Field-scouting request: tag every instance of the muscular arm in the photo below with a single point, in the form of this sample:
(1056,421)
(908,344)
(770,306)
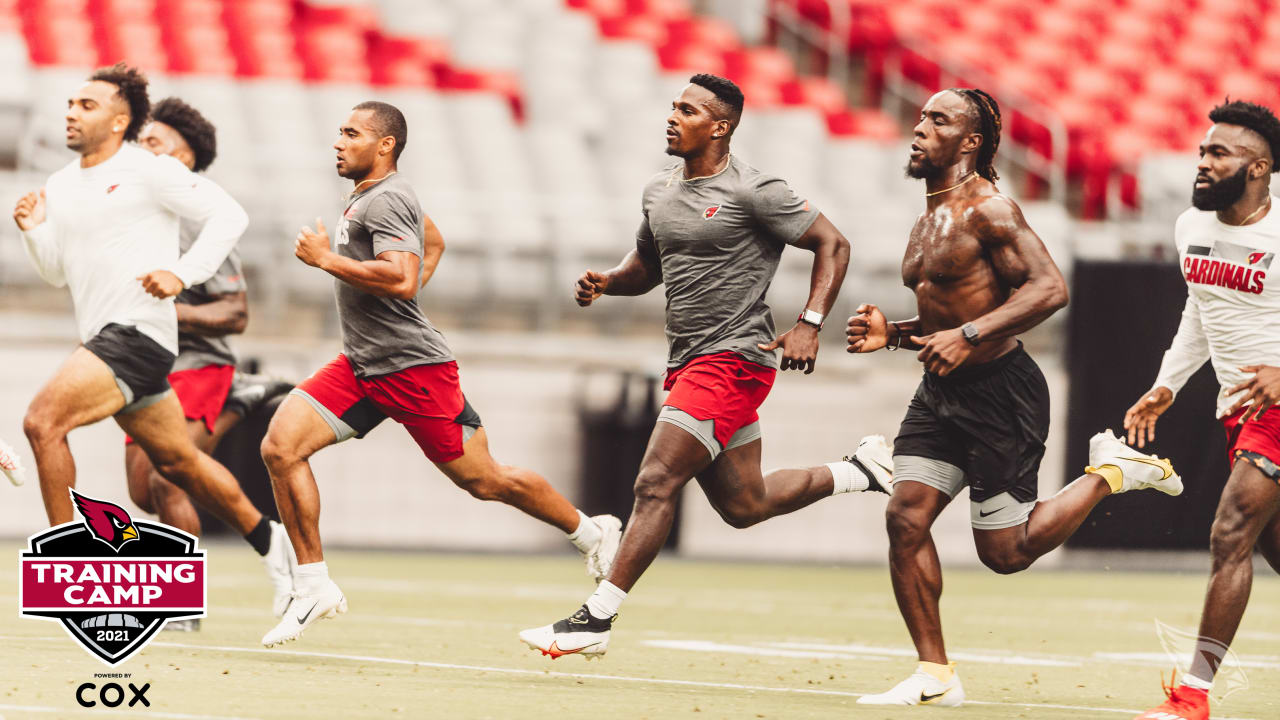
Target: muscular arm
(830,261)
(393,273)
(900,332)
(228,315)
(1022,263)
(432,250)
(638,273)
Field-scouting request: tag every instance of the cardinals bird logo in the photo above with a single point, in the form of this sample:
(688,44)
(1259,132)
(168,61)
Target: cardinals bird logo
(106,521)
(111,601)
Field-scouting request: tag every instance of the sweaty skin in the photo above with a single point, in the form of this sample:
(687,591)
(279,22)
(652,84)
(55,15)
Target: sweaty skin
(971,256)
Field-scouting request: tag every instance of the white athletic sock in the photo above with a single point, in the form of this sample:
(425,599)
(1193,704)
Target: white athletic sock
(588,534)
(606,600)
(847,477)
(1200,684)
(310,578)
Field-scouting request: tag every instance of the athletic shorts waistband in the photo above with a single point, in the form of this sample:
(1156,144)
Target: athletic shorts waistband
(974,373)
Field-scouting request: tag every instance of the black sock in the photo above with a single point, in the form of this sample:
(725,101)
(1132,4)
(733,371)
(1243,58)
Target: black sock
(260,536)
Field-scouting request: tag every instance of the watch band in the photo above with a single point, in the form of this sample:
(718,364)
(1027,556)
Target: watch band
(812,317)
(970,334)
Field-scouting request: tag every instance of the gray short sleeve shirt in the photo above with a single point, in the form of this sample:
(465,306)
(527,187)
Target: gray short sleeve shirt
(382,335)
(718,241)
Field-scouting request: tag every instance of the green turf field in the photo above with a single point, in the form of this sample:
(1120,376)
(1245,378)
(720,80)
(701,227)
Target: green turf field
(434,636)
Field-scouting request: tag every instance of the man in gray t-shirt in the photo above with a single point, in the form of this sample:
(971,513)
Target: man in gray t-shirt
(712,231)
(394,364)
(380,334)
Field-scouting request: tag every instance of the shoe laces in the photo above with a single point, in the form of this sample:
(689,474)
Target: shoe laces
(1169,688)
(8,460)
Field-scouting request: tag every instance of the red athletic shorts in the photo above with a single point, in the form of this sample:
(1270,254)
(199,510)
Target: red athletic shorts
(1260,435)
(426,399)
(202,392)
(723,388)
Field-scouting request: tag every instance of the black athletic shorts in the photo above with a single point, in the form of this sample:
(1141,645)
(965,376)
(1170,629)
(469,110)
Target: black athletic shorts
(989,420)
(141,365)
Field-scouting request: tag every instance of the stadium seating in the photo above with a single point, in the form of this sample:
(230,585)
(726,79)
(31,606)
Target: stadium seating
(1128,77)
(535,122)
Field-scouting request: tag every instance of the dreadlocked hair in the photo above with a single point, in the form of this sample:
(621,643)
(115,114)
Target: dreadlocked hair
(989,125)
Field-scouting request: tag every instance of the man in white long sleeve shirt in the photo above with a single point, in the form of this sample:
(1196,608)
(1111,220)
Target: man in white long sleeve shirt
(106,226)
(1228,243)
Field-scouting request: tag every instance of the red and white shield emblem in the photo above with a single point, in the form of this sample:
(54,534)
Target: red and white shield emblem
(710,212)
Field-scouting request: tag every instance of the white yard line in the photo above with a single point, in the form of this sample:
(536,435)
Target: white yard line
(857,652)
(116,712)
(597,676)
(625,678)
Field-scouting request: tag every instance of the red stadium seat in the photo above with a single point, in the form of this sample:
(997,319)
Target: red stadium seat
(335,53)
(268,52)
(691,57)
(870,124)
(474,80)
(61,40)
(1241,85)
(600,8)
(767,63)
(187,13)
(816,92)
(635,27)
(712,33)
(138,42)
(200,48)
(659,9)
(112,11)
(409,61)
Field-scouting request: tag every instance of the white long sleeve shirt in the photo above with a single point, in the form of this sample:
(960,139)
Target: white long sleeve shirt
(1232,315)
(108,224)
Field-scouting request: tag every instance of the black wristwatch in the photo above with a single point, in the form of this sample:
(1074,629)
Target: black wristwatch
(970,334)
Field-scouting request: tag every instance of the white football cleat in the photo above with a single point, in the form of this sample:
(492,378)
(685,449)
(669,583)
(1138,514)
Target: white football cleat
(188,625)
(304,610)
(874,457)
(11,464)
(579,634)
(921,688)
(1139,471)
(600,557)
(281,564)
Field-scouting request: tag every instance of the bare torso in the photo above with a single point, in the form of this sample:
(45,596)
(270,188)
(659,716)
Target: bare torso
(951,272)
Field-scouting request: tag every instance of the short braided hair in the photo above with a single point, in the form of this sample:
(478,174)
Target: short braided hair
(1257,118)
(989,125)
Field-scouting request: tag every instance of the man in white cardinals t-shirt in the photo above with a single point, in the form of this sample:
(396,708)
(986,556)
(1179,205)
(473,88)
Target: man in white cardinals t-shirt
(106,227)
(1227,244)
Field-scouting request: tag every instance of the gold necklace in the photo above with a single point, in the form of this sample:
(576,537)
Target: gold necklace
(384,177)
(971,176)
(1255,212)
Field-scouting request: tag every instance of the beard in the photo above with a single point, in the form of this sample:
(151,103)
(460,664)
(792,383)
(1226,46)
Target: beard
(1221,194)
(922,170)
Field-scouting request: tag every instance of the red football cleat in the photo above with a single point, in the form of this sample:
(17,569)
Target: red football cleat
(1184,703)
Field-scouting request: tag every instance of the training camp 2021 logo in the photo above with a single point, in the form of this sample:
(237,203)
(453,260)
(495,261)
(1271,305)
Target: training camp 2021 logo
(111,581)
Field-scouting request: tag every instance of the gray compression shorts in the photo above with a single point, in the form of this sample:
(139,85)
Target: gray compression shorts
(995,513)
